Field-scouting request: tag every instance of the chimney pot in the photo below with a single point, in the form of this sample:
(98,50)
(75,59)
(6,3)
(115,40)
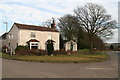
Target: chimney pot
(53,24)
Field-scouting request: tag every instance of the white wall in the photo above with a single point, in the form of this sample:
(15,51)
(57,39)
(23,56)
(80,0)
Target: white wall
(41,36)
(68,46)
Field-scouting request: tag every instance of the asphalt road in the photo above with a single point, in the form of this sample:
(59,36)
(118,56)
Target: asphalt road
(22,69)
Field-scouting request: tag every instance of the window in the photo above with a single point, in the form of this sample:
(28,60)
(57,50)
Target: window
(34,45)
(9,44)
(32,35)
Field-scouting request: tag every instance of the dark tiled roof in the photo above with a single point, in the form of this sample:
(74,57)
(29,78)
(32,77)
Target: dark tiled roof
(33,27)
(33,40)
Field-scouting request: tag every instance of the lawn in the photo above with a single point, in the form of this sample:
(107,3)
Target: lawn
(78,58)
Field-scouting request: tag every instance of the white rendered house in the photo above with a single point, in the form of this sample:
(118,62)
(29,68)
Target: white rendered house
(31,35)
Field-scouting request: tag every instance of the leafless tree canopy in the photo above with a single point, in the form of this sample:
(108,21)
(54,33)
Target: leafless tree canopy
(68,25)
(95,20)
(47,23)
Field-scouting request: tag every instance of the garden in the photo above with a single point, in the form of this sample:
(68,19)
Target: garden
(23,53)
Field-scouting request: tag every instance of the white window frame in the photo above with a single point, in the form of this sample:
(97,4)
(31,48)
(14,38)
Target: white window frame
(34,44)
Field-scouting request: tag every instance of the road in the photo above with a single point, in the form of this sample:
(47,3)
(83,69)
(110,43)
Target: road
(22,69)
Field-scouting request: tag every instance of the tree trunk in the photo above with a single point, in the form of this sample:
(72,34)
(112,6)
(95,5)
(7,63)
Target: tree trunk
(91,45)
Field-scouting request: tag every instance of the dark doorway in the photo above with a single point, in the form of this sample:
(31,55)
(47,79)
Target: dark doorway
(50,46)
(71,46)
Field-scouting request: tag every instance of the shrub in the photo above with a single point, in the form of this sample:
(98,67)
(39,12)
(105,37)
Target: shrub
(71,52)
(41,52)
(20,47)
(32,51)
(22,50)
(59,52)
(26,51)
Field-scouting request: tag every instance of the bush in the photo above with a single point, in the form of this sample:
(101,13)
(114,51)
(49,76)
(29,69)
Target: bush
(63,52)
(20,47)
(41,52)
(59,52)
(23,50)
(26,51)
(71,52)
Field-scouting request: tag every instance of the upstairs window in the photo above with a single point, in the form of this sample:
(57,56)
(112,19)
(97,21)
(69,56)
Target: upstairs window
(9,44)
(32,35)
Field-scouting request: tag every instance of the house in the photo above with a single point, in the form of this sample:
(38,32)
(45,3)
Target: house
(31,35)
(0,44)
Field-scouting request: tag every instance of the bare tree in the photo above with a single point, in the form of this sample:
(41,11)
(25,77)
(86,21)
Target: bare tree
(68,25)
(96,21)
(47,23)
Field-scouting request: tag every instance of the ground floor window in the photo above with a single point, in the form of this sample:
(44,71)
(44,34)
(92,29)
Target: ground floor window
(9,44)
(34,45)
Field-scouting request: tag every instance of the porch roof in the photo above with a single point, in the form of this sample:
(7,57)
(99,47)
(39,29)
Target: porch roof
(50,40)
(33,40)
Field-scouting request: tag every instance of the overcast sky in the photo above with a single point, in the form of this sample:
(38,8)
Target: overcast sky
(36,12)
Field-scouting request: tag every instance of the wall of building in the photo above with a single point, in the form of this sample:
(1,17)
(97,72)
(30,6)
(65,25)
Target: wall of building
(0,44)
(68,46)
(3,42)
(12,38)
(41,36)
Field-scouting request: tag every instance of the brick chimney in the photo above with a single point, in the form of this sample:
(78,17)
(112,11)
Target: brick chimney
(53,25)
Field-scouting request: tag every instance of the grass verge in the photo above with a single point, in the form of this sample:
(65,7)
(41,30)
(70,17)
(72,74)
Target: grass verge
(79,58)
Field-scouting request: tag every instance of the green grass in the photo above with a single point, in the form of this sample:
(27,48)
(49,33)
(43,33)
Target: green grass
(83,50)
(78,58)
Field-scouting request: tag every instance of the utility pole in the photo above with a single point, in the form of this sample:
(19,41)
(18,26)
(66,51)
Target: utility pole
(6,34)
